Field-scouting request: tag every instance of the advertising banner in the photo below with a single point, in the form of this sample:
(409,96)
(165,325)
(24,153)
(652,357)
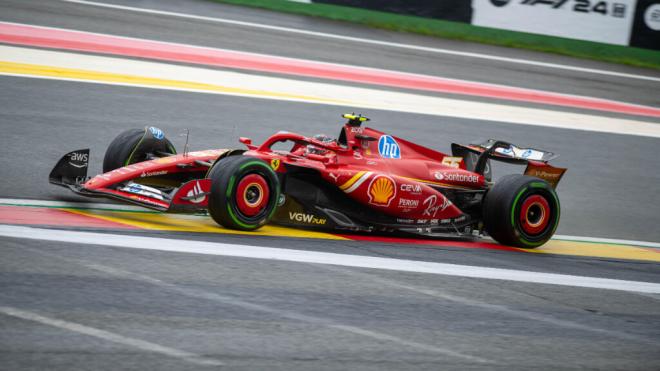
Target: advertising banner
(606,21)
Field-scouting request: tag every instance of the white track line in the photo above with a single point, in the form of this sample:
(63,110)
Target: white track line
(363,68)
(289,314)
(120,207)
(256,252)
(439,293)
(109,336)
(71,205)
(615,241)
(284,89)
(370,41)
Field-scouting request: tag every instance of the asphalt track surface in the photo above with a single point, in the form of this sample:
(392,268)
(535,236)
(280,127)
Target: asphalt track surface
(263,314)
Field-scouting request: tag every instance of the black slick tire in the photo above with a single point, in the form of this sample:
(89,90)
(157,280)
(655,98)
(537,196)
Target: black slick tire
(244,192)
(521,211)
(134,145)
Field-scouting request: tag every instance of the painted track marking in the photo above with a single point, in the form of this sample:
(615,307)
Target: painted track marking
(49,37)
(117,216)
(24,62)
(110,336)
(283,313)
(438,293)
(615,241)
(21,69)
(371,41)
(301,256)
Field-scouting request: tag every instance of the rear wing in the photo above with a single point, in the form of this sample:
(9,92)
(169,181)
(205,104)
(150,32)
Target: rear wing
(477,159)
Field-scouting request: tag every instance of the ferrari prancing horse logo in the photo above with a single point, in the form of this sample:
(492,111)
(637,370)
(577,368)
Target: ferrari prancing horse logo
(275,163)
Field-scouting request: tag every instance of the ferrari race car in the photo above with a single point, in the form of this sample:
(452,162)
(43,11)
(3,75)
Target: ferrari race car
(363,181)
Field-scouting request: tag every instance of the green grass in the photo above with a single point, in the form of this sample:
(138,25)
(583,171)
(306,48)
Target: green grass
(460,31)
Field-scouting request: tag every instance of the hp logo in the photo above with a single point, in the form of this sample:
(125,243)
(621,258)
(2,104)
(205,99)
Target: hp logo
(388,147)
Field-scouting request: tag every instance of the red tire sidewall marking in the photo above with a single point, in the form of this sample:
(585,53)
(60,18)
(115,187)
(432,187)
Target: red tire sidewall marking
(247,182)
(538,227)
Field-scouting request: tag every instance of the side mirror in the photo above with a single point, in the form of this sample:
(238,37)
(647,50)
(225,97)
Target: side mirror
(247,142)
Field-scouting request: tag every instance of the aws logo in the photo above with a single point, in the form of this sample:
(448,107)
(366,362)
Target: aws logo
(79,159)
(382,191)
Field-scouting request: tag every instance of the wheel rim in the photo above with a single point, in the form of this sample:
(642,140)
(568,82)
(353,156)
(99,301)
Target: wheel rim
(252,195)
(535,215)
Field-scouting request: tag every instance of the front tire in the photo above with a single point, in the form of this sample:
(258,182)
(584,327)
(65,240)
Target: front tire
(244,193)
(135,145)
(521,211)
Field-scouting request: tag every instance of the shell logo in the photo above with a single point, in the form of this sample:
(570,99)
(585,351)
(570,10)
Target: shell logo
(381,191)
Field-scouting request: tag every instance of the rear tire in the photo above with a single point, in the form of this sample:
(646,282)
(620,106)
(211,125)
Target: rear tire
(133,145)
(244,193)
(521,211)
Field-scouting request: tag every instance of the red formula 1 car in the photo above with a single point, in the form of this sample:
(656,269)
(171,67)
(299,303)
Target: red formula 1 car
(364,180)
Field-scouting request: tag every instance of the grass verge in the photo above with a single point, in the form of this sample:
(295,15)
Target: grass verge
(460,31)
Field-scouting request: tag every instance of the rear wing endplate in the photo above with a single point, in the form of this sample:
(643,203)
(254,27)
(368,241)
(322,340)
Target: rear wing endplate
(477,158)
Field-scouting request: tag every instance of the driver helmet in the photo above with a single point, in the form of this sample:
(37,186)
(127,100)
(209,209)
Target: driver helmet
(321,138)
